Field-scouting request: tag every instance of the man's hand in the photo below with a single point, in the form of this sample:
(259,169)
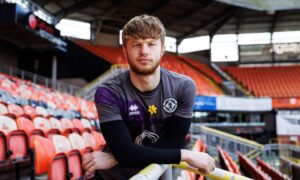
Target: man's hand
(199,160)
(98,160)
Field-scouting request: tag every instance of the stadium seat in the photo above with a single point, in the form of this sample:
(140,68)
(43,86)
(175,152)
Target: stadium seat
(86,123)
(3,109)
(27,125)
(63,145)
(47,161)
(55,124)
(78,125)
(100,141)
(17,140)
(41,111)
(3,150)
(15,110)
(43,124)
(29,111)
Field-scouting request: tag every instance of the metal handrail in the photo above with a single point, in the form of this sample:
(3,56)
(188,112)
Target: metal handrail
(155,171)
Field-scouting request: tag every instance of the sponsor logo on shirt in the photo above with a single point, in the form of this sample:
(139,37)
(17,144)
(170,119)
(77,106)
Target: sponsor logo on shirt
(146,134)
(133,110)
(170,105)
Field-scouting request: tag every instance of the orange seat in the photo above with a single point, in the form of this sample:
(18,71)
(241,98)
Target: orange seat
(29,111)
(63,145)
(86,123)
(43,124)
(47,161)
(15,110)
(17,141)
(3,109)
(3,149)
(78,125)
(100,141)
(55,124)
(41,111)
(27,125)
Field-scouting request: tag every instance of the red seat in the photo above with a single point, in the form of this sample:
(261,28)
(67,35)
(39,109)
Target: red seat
(47,161)
(27,125)
(3,109)
(17,141)
(100,141)
(78,125)
(15,110)
(3,149)
(29,111)
(43,124)
(62,144)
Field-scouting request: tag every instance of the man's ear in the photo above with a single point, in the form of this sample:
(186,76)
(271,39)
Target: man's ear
(124,51)
(162,52)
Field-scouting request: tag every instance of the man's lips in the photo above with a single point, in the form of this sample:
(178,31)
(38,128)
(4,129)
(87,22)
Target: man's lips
(144,60)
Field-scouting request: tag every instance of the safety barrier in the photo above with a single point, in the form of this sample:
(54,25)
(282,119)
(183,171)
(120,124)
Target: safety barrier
(154,171)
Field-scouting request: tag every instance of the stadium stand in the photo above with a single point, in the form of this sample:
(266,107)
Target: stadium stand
(48,131)
(274,81)
(205,85)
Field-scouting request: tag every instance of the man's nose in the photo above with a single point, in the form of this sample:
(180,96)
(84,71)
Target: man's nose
(144,49)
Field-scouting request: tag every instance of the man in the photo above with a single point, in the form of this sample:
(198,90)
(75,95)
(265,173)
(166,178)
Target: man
(145,113)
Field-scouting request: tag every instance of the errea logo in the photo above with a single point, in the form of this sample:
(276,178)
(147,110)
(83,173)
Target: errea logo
(133,110)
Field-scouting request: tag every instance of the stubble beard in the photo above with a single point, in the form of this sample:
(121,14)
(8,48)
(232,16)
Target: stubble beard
(143,71)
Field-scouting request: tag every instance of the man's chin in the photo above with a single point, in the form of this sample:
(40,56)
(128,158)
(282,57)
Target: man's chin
(143,71)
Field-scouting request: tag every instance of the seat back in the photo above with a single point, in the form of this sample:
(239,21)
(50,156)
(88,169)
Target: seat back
(29,110)
(3,109)
(66,123)
(75,167)
(55,123)
(77,124)
(7,124)
(18,145)
(41,123)
(89,140)
(58,167)
(77,142)
(15,109)
(41,111)
(100,141)
(3,147)
(43,153)
(61,143)
(86,123)
(25,124)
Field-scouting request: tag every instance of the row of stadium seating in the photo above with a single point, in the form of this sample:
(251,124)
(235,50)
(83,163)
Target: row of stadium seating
(275,81)
(250,168)
(203,68)
(227,162)
(46,140)
(205,85)
(15,90)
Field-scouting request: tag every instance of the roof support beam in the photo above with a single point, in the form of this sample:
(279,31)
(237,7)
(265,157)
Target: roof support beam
(75,8)
(157,6)
(217,18)
(189,14)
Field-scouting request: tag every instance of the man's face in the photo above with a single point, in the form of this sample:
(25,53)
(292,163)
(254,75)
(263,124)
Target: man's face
(144,55)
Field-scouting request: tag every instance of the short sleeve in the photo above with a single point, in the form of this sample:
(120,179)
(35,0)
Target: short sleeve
(108,104)
(186,99)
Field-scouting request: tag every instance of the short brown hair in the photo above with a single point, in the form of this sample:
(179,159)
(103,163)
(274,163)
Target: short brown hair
(144,26)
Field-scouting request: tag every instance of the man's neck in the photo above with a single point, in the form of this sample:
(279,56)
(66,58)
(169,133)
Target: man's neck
(145,83)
